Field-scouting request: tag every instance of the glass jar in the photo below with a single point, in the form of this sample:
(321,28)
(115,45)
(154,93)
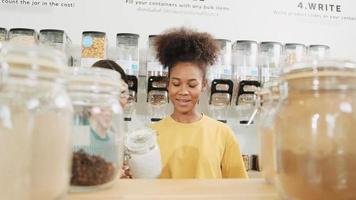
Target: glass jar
(154,67)
(57,39)
(244,60)
(294,53)
(128,52)
(3,34)
(98,138)
(23,36)
(318,51)
(270,54)
(94,47)
(39,72)
(222,67)
(144,154)
(315,131)
(268,98)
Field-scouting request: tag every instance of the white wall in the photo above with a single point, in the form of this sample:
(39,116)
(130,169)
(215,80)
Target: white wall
(273,20)
(253,19)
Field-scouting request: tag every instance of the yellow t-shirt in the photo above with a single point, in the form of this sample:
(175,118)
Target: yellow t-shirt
(203,149)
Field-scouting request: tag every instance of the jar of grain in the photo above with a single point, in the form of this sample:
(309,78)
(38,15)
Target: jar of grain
(94,47)
(3,34)
(23,36)
(98,137)
(39,110)
(315,131)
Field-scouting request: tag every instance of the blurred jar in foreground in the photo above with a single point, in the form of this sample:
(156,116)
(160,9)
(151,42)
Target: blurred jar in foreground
(315,131)
(269,98)
(39,73)
(98,137)
(16,126)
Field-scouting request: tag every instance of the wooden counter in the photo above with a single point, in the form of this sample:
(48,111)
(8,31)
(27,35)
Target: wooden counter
(140,189)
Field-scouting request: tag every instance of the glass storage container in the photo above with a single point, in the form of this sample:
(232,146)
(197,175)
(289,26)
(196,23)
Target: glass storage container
(3,34)
(154,67)
(294,52)
(315,131)
(220,98)
(222,67)
(98,137)
(270,55)
(128,53)
(244,60)
(94,47)
(144,154)
(38,73)
(57,39)
(318,51)
(23,36)
(157,97)
(268,99)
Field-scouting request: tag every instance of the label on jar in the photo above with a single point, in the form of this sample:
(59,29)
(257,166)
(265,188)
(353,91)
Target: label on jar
(87,41)
(81,135)
(131,67)
(249,73)
(88,62)
(154,66)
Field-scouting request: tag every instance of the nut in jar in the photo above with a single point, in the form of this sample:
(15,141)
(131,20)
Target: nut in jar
(94,45)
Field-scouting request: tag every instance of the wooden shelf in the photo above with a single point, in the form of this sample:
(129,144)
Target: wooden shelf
(192,189)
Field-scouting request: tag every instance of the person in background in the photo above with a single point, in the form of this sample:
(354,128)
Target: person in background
(110,64)
(192,144)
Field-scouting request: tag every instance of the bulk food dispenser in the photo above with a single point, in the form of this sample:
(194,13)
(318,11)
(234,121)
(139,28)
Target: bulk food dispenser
(23,36)
(220,83)
(57,39)
(294,52)
(128,58)
(3,34)
(318,51)
(157,93)
(246,75)
(270,55)
(94,47)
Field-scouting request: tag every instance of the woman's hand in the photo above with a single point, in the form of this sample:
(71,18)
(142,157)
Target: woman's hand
(125,172)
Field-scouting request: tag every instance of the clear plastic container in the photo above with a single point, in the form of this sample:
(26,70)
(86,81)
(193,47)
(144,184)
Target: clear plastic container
(128,53)
(3,34)
(57,39)
(315,131)
(154,67)
(318,51)
(222,68)
(270,58)
(144,154)
(38,73)
(244,60)
(94,47)
(98,137)
(23,36)
(294,52)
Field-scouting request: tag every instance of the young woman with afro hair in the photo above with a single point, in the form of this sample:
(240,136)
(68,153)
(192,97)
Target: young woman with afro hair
(192,144)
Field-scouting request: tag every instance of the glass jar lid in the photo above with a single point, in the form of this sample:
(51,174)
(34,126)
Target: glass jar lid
(141,141)
(31,61)
(320,68)
(94,79)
